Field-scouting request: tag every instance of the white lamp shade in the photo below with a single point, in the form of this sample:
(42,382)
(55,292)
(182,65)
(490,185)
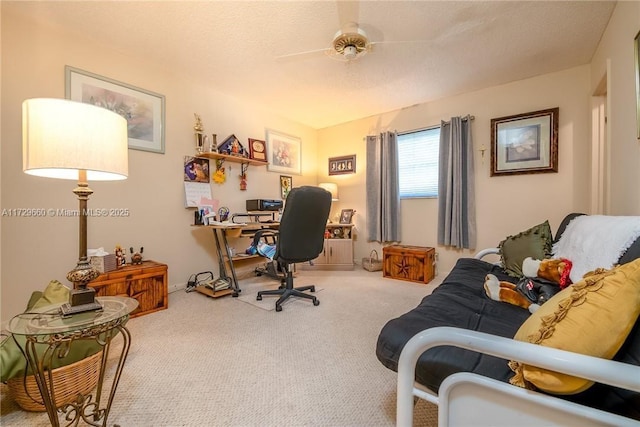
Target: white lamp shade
(331,188)
(61,137)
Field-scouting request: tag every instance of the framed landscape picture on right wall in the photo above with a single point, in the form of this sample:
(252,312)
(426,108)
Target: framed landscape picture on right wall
(525,143)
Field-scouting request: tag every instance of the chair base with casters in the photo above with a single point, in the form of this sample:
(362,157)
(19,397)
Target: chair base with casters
(288,290)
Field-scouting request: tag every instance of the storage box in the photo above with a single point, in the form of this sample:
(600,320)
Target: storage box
(412,263)
(104,263)
(146,282)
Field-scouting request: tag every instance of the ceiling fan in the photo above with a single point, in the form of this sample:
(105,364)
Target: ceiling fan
(349,43)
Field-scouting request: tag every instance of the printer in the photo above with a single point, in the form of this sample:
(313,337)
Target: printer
(263,205)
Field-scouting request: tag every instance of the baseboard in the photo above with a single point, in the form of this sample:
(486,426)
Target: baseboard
(177,287)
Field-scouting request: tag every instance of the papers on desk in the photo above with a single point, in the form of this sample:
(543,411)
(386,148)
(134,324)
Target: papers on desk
(226,224)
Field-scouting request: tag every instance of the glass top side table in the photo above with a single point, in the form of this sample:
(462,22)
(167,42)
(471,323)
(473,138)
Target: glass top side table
(48,334)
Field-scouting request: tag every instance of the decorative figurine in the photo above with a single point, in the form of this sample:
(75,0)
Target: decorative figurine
(223,213)
(219,176)
(213,145)
(200,137)
(243,182)
(136,258)
(120,256)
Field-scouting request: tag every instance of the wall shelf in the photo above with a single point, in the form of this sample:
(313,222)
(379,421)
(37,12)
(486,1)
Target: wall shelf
(234,159)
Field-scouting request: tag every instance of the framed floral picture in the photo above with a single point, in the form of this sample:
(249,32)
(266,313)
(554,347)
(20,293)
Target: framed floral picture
(525,143)
(144,110)
(283,153)
(286,184)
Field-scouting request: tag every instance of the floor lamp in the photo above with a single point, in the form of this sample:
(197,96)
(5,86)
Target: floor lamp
(71,140)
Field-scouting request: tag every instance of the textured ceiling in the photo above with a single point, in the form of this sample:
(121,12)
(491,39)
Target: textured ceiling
(455,47)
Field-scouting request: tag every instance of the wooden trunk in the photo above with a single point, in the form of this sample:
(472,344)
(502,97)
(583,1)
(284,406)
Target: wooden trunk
(412,263)
(146,282)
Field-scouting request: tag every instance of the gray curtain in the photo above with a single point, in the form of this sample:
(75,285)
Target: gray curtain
(383,194)
(456,189)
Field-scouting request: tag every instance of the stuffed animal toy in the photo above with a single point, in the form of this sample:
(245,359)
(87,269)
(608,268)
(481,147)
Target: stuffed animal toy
(542,280)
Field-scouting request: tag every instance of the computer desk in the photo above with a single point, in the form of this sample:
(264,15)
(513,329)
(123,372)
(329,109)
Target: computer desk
(221,233)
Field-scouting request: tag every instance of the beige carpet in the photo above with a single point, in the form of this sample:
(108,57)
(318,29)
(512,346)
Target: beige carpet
(250,288)
(225,362)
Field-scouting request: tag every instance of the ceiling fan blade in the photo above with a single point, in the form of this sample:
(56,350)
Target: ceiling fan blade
(399,42)
(306,53)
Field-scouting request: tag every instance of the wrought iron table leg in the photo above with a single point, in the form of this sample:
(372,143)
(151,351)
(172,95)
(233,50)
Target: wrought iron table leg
(84,407)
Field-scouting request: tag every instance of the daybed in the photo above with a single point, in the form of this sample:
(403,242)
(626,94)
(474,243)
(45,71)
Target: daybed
(453,350)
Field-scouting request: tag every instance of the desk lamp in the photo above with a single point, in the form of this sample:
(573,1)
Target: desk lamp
(71,140)
(331,188)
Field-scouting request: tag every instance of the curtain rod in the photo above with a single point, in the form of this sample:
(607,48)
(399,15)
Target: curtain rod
(430,127)
(424,128)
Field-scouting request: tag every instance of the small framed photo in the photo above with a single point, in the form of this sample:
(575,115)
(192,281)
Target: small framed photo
(342,165)
(283,153)
(346,215)
(196,169)
(286,183)
(144,110)
(257,149)
(525,143)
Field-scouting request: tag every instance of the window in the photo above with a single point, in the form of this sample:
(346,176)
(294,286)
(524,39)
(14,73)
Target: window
(418,163)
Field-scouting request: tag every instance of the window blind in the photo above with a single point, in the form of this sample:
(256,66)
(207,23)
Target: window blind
(418,163)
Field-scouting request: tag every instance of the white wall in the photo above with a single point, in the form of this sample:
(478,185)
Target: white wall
(616,48)
(505,204)
(38,250)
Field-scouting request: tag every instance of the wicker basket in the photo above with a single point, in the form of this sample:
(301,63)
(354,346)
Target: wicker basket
(68,381)
(372,263)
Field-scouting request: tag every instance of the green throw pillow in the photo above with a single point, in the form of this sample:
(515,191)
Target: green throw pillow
(12,361)
(535,243)
(55,293)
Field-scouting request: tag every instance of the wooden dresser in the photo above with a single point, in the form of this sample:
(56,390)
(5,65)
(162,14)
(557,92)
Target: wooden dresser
(146,282)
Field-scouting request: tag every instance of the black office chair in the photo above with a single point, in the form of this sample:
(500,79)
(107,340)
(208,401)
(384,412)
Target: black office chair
(300,238)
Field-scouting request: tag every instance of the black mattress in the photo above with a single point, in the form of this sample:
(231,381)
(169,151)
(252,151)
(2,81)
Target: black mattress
(460,301)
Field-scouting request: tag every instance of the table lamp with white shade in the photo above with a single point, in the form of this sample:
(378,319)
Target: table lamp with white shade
(71,140)
(331,188)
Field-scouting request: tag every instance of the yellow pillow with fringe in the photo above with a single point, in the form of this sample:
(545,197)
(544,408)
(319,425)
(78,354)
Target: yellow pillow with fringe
(592,317)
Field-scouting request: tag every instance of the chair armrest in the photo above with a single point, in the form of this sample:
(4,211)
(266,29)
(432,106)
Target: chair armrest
(485,252)
(264,234)
(604,371)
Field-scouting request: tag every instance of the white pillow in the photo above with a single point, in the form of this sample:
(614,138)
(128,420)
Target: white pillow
(596,241)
